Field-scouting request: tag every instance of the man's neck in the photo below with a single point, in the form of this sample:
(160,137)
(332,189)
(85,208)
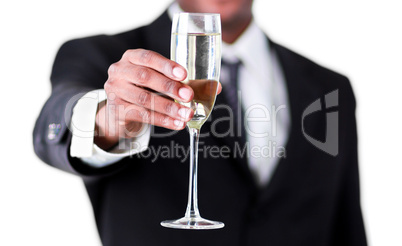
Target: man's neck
(232,31)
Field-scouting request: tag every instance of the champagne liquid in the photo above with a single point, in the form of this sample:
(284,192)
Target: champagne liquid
(200,54)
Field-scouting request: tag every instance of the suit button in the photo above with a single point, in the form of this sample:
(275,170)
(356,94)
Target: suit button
(53,131)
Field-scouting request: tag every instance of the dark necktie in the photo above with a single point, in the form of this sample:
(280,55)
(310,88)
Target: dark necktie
(231,92)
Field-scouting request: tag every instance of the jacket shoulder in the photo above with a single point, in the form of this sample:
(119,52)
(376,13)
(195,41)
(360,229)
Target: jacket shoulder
(306,65)
(106,43)
(313,75)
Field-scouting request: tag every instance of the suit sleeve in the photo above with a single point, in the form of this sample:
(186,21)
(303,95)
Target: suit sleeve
(349,226)
(80,66)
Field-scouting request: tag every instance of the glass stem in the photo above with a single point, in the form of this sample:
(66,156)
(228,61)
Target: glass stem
(192,205)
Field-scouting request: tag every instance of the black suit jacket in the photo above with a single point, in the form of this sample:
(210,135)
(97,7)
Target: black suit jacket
(312,198)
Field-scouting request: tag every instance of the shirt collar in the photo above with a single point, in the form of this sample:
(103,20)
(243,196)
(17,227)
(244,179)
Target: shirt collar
(251,48)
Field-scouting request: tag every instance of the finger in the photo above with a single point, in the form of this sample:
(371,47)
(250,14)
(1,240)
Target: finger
(149,78)
(155,102)
(129,113)
(219,88)
(157,62)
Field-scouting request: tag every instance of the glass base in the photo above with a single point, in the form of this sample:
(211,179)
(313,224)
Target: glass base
(196,223)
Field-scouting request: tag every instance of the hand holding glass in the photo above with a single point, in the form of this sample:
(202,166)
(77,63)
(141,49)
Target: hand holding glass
(196,45)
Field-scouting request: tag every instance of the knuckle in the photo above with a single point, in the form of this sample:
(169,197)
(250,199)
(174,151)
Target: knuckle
(164,119)
(145,115)
(114,102)
(169,85)
(169,107)
(145,56)
(128,53)
(143,75)
(113,68)
(129,112)
(168,67)
(109,85)
(143,98)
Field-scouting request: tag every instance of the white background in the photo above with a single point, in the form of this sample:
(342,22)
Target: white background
(362,39)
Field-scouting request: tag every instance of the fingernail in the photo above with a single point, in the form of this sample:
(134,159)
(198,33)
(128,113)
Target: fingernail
(185,93)
(178,72)
(184,112)
(178,123)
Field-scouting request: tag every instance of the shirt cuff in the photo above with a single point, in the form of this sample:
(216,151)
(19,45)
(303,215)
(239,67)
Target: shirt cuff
(126,147)
(83,128)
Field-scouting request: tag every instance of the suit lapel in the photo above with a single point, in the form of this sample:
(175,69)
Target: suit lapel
(300,94)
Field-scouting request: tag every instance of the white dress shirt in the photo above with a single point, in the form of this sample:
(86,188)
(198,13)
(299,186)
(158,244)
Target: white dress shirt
(263,97)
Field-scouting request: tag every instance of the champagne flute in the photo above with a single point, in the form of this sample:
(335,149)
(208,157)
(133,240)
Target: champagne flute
(196,45)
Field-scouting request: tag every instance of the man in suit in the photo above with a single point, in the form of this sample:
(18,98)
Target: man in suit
(271,182)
